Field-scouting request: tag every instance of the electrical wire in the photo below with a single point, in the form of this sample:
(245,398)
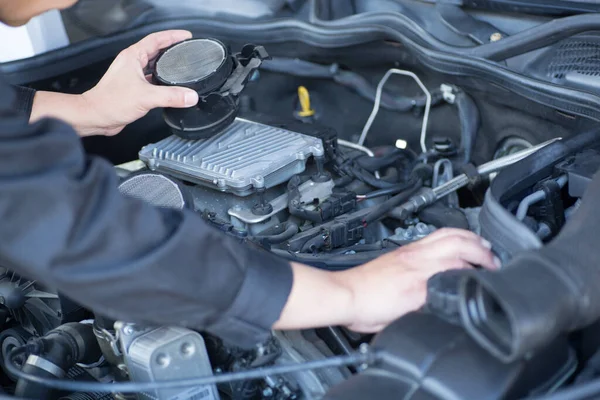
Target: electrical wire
(355,146)
(384,192)
(376,106)
(364,356)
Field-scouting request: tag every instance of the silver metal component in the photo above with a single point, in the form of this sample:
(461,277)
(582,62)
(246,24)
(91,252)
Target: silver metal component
(503,162)
(443,172)
(244,157)
(46,365)
(448,93)
(166,353)
(154,189)
(395,71)
(190,61)
(309,190)
(412,233)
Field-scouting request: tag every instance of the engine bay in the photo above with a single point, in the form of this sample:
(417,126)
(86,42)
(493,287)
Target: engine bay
(332,158)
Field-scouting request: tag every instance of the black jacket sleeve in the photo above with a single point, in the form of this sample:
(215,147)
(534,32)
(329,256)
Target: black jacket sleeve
(23,100)
(64,223)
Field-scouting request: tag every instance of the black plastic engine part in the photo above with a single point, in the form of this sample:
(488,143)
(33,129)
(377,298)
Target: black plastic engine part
(208,67)
(58,351)
(9,340)
(580,170)
(442,295)
(338,203)
(440,215)
(551,210)
(507,234)
(427,358)
(35,307)
(540,294)
(346,230)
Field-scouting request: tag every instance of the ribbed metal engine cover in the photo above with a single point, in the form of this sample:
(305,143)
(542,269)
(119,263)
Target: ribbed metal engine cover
(244,157)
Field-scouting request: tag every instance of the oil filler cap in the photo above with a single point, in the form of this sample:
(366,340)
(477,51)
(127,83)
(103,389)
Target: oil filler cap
(208,67)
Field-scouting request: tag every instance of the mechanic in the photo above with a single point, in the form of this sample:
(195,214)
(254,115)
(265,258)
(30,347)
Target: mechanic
(65,224)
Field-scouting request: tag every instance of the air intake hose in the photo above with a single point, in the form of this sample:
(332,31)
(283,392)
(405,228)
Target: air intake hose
(541,293)
(60,350)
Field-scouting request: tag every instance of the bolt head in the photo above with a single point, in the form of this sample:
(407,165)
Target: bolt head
(163,360)
(188,349)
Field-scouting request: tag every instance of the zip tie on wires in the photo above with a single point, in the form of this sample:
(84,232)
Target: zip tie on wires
(395,71)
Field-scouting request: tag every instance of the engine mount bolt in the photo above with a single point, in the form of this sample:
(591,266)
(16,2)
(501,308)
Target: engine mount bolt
(267,392)
(128,330)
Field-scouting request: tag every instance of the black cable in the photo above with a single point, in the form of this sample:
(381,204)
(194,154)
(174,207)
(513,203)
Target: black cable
(365,176)
(361,248)
(290,229)
(468,115)
(381,209)
(363,357)
(314,244)
(386,191)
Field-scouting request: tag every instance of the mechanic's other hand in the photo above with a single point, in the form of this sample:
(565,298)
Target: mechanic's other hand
(396,283)
(125,94)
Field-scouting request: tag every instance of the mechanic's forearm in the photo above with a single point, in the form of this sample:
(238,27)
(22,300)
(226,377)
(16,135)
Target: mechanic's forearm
(318,298)
(71,108)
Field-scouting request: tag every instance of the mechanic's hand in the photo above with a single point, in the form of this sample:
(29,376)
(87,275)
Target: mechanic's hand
(125,95)
(122,96)
(396,283)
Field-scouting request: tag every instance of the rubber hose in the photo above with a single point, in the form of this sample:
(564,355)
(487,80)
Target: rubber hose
(61,349)
(290,229)
(370,179)
(382,209)
(314,244)
(541,293)
(468,115)
(373,164)
(440,215)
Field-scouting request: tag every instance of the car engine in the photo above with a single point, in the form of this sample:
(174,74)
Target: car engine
(297,184)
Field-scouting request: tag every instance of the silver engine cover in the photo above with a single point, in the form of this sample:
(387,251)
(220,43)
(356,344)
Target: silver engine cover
(244,157)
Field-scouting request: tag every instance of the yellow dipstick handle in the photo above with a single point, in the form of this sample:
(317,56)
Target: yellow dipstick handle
(304,97)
